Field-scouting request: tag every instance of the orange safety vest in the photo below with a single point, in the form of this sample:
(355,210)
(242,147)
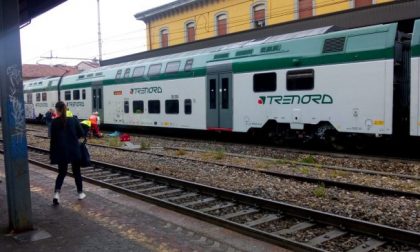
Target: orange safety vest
(93,119)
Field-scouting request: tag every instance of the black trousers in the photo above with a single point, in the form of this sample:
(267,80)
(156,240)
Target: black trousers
(62,172)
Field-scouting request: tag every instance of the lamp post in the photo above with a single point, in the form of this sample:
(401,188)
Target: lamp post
(99,32)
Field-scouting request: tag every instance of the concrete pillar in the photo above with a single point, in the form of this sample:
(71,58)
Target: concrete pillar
(13,119)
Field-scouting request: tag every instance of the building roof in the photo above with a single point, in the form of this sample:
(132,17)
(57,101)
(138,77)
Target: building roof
(145,15)
(32,71)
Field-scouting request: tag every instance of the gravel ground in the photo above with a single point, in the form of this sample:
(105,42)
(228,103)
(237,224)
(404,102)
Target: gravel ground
(393,166)
(275,165)
(397,212)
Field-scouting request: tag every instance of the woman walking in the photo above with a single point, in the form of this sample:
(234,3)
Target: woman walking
(65,149)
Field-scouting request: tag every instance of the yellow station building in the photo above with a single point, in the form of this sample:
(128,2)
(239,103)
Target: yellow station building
(185,21)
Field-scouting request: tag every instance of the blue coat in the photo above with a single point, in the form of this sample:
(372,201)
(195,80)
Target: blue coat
(64,145)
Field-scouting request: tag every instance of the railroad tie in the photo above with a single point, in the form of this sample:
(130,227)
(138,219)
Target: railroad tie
(368,245)
(295,228)
(326,237)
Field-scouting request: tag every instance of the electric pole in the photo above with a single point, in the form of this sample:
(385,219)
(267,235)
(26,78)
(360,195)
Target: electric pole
(99,33)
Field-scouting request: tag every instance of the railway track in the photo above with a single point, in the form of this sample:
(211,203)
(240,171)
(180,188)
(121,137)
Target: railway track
(329,153)
(301,178)
(287,225)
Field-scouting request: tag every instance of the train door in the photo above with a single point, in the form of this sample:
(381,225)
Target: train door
(219,99)
(415,81)
(97,99)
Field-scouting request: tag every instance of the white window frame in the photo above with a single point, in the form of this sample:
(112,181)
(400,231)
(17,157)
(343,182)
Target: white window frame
(216,19)
(160,36)
(313,8)
(264,3)
(189,22)
(352,3)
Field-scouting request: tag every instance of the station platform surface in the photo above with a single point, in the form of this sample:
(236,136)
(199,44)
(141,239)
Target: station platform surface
(109,221)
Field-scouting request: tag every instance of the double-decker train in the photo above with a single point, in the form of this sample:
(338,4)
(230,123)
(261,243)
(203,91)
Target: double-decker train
(322,83)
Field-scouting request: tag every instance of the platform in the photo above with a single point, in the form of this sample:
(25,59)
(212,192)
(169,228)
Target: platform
(109,221)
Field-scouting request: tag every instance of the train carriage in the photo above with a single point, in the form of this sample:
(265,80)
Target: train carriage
(318,83)
(39,96)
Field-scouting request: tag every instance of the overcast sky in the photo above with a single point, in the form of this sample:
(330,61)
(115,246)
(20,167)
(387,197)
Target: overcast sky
(70,30)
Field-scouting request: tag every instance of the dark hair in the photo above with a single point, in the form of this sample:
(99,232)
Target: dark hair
(62,109)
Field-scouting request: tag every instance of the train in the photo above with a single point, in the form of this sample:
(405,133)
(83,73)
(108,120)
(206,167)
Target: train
(323,83)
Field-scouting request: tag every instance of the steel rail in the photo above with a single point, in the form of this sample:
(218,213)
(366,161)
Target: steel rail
(325,182)
(379,233)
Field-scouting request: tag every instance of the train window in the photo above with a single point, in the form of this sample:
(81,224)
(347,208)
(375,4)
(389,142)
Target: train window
(84,94)
(38,97)
(265,82)
(172,107)
(138,71)
(138,107)
(127,73)
(188,65)
(99,98)
(118,75)
(94,98)
(154,106)
(300,80)
(126,107)
(76,94)
(225,93)
(172,67)
(187,106)
(29,98)
(67,95)
(44,96)
(154,69)
(212,87)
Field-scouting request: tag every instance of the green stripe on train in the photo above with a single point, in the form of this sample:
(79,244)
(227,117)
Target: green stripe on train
(415,51)
(261,64)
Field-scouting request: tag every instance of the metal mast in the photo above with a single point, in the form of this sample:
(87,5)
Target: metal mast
(99,33)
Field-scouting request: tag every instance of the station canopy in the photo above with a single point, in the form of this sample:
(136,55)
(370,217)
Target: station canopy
(30,9)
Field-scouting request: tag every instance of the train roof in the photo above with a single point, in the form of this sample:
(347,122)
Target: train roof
(41,84)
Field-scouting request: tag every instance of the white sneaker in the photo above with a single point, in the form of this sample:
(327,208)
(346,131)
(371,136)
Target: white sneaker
(56,198)
(82,195)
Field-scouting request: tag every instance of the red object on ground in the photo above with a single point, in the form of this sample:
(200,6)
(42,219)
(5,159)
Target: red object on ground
(125,137)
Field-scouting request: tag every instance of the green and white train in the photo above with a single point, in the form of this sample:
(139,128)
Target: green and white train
(318,83)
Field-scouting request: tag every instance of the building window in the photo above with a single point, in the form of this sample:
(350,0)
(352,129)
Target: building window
(258,12)
(221,24)
(38,97)
(265,82)
(67,95)
(44,96)
(154,106)
(187,106)
(300,80)
(305,8)
(84,94)
(76,94)
(171,106)
(138,107)
(190,31)
(362,3)
(164,38)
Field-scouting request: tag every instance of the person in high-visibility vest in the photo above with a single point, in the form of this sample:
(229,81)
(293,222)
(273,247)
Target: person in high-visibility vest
(95,120)
(86,125)
(69,113)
